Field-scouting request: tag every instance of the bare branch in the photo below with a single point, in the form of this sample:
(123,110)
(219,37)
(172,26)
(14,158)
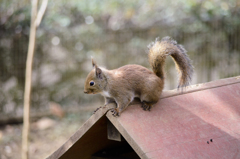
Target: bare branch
(36,18)
(41,12)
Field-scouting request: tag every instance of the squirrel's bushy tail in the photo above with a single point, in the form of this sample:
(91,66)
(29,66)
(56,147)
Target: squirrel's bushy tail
(158,52)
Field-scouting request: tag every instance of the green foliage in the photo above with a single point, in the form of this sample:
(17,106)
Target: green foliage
(115,33)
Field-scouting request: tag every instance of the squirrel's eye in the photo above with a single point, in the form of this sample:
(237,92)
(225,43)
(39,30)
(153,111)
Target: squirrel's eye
(91,83)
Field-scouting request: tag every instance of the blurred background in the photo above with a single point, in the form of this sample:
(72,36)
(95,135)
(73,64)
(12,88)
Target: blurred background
(115,33)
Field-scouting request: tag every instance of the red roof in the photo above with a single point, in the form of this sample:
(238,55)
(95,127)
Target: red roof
(201,122)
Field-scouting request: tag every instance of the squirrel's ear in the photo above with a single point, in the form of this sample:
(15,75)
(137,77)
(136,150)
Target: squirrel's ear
(98,72)
(94,63)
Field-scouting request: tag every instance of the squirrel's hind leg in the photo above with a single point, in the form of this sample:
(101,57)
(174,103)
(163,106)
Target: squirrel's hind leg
(148,100)
(147,105)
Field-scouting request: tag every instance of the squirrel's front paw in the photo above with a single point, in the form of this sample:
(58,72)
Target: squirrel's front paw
(115,112)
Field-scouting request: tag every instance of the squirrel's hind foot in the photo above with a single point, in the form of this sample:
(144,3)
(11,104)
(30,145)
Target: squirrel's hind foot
(146,106)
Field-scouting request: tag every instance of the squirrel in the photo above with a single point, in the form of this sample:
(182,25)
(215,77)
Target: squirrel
(123,84)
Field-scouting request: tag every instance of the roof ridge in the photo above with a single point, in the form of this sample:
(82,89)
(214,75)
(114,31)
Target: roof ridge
(201,86)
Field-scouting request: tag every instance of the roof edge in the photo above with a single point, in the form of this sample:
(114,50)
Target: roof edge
(100,112)
(125,134)
(200,87)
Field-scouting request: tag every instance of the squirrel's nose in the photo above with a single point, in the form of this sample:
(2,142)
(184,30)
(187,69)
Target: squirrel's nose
(85,91)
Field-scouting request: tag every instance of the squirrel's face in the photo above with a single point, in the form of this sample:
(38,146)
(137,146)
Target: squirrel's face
(95,82)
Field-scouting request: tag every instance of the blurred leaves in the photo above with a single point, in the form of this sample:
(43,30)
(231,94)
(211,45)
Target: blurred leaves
(115,33)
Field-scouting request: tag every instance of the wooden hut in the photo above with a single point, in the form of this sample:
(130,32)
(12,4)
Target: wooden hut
(203,121)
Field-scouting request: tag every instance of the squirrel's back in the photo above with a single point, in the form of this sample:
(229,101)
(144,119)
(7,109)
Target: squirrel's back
(160,49)
(137,78)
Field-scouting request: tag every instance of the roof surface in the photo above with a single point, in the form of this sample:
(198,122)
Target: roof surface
(203,121)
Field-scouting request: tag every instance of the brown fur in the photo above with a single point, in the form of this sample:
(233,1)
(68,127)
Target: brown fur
(124,84)
(159,50)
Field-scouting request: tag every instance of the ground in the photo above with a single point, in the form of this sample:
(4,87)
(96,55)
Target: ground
(46,135)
